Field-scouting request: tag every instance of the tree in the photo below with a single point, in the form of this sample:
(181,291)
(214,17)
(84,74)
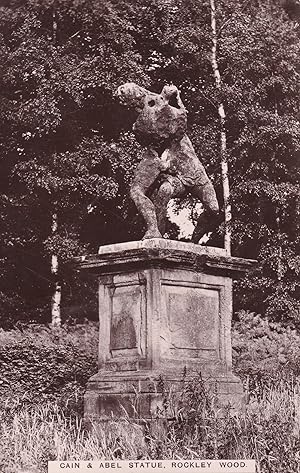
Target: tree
(61,62)
(223,137)
(260,50)
(67,149)
(258,59)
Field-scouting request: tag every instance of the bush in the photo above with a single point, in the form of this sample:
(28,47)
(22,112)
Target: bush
(264,353)
(40,365)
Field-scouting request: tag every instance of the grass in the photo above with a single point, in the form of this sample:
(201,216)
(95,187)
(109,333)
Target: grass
(43,374)
(31,437)
(268,432)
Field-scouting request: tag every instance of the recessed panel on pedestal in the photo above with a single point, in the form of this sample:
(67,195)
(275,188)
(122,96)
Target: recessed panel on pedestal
(193,320)
(127,320)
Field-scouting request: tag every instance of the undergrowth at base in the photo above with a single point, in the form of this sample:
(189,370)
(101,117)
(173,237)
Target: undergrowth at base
(268,431)
(42,380)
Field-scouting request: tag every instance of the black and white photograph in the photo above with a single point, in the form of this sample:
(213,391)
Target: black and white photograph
(150,236)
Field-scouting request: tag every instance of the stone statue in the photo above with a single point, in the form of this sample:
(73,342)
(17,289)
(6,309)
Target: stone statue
(169,167)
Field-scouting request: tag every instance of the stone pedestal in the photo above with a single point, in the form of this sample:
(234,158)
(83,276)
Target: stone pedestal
(165,308)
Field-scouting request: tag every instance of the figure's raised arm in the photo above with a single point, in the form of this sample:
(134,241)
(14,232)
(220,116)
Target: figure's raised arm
(172,96)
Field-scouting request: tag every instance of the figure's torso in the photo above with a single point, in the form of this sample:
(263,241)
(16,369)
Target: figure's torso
(184,163)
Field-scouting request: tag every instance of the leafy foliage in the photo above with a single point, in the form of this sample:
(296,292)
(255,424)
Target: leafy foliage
(66,146)
(265,353)
(39,366)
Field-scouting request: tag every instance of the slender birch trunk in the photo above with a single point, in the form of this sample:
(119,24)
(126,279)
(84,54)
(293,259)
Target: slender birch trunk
(56,297)
(297,216)
(278,220)
(54,25)
(223,139)
(279,259)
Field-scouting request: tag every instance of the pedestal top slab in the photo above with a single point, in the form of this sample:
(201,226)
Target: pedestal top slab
(161,243)
(162,253)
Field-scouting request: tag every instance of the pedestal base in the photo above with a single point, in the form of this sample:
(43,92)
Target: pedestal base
(165,309)
(143,396)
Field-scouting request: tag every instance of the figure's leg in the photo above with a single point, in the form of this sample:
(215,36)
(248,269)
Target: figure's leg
(147,171)
(210,217)
(161,200)
(171,187)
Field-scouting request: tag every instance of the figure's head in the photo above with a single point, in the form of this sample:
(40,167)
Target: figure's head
(132,95)
(160,116)
(169,91)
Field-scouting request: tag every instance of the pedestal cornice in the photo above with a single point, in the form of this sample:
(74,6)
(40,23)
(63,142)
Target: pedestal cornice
(161,253)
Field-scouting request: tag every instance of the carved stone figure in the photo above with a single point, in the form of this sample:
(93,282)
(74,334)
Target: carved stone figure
(169,167)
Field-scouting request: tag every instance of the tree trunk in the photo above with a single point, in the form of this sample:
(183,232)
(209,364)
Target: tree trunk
(54,25)
(279,257)
(56,297)
(297,217)
(223,138)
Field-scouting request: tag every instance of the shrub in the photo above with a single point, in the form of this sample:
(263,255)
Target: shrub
(40,365)
(264,353)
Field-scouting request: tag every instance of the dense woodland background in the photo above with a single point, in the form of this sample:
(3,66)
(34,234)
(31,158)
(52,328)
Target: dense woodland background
(67,158)
(67,152)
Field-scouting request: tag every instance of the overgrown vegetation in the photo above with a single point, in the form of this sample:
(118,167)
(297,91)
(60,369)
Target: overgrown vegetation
(41,414)
(67,153)
(40,365)
(268,432)
(265,353)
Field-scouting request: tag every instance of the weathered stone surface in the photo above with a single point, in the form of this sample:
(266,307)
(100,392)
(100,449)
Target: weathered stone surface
(164,308)
(169,167)
(158,252)
(192,320)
